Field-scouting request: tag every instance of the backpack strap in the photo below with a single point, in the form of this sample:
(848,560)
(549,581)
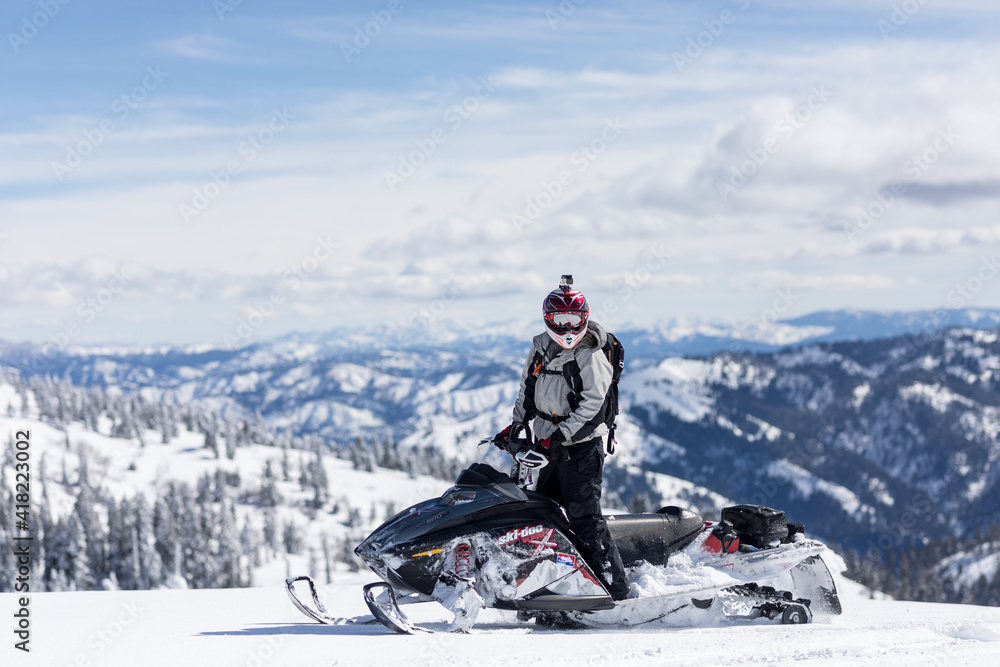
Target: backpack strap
(537,365)
(609,410)
(571,371)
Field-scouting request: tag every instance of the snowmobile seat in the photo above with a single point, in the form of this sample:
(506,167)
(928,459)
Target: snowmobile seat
(653,537)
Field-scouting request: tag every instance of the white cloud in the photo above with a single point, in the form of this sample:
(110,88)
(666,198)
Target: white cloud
(657,185)
(207,46)
(931,241)
(771,280)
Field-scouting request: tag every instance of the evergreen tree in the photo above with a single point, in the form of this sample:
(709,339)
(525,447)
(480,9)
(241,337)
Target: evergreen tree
(270,530)
(228,561)
(269,496)
(291,538)
(318,478)
(250,544)
(93,536)
(230,446)
(285,470)
(211,442)
(147,564)
(79,572)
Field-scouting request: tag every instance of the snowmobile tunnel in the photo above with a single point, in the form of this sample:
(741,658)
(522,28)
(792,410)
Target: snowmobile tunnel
(653,537)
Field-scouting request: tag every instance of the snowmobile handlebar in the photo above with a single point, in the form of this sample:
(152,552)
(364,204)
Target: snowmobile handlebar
(508,440)
(516,444)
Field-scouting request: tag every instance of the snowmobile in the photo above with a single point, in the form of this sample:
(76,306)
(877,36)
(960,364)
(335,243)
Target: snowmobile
(492,541)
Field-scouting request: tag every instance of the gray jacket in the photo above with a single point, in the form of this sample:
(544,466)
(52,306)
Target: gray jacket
(552,390)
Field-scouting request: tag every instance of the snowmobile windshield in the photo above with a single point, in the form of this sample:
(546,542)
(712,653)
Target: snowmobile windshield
(457,497)
(481,474)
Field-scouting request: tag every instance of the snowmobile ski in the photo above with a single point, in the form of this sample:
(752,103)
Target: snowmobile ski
(317,612)
(386,611)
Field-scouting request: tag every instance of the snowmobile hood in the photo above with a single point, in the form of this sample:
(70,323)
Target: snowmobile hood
(479,494)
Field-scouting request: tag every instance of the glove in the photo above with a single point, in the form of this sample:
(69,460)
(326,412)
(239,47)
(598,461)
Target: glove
(552,447)
(557,438)
(502,438)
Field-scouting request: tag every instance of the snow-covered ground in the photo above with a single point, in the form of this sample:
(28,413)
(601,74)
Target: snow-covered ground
(260,628)
(125,468)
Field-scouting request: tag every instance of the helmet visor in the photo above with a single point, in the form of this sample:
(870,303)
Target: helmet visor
(566,322)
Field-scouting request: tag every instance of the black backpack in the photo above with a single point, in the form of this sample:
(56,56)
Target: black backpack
(615,353)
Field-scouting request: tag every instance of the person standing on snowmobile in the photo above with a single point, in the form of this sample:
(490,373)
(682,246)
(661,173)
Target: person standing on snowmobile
(568,425)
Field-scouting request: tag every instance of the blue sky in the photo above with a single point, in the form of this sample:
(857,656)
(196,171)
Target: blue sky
(685,160)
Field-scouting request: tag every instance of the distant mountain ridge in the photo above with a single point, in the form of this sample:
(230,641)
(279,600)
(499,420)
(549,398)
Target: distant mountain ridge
(821,327)
(671,338)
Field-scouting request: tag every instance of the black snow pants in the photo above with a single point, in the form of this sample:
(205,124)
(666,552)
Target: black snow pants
(575,483)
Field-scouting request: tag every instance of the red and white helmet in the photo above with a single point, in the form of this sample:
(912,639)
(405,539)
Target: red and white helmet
(566,313)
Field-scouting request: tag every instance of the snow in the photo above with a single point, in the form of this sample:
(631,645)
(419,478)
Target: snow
(860,393)
(352,378)
(260,628)
(189,373)
(985,424)
(685,573)
(808,356)
(984,337)
(466,403)
(781,334)
(637,445)
(807,484)
(938,397)
(316,414)
(967,567)
(124,468)
(881,491)
(927,363)
(245,382)
(295,376)
(769,432)
(774,333)
(677,491)
(729,426)
(677,386)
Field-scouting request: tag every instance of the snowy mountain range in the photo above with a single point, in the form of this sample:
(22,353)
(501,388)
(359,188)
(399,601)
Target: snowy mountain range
(763,334)
(896,437)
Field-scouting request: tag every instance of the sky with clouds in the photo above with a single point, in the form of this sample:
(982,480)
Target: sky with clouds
(210,172)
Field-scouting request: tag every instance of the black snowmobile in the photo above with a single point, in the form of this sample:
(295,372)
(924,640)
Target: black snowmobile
(491,541)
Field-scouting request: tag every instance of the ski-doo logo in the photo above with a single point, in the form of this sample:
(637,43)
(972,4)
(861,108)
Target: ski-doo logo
(519,534)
